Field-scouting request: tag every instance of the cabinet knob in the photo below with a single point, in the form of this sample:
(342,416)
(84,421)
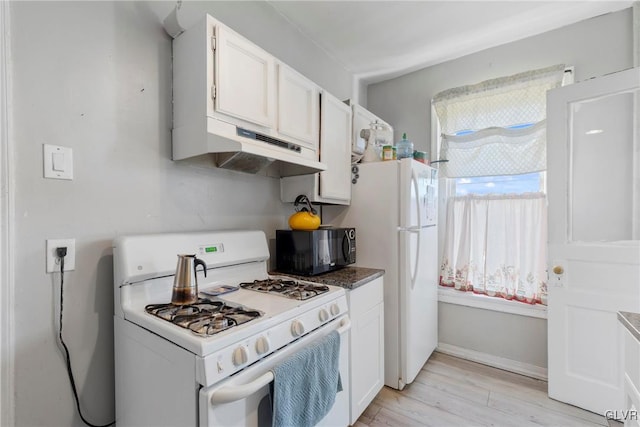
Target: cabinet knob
(558,269)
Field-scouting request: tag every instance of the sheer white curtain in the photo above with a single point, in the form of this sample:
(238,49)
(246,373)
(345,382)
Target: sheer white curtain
(496,245)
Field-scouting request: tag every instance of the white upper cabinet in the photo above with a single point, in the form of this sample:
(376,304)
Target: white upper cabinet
(332,186)
(335,148)
(225,105)
(298,104)
(244,79)
(362,119)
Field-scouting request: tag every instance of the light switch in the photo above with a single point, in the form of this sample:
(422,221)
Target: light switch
(58,162)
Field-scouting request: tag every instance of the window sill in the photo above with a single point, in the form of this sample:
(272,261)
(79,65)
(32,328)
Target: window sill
(469,299)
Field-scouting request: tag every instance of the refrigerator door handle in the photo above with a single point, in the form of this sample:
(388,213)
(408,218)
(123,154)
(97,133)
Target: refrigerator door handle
(416,189)
(414,274)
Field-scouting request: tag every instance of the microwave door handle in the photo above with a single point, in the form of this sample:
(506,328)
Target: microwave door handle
(347,252)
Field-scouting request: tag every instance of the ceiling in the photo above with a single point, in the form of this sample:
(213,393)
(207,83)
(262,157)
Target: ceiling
(378,40)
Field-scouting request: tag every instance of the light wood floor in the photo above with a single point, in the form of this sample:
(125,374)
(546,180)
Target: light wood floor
(455,392)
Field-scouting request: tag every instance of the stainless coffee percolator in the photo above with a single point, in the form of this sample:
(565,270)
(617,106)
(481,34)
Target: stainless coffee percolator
(185,282)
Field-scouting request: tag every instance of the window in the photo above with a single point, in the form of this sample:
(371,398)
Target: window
(501,184)
(494,144)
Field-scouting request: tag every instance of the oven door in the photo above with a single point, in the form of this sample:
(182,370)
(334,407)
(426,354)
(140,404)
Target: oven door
(244,399)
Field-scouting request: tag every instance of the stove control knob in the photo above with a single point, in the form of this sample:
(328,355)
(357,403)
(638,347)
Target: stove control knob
(323,315)
(262,345)
(335,309)
(297,328)
(240,356)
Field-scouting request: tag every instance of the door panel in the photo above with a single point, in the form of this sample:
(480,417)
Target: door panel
(297,106)
(602,128)
(244,79)
(335,148)
(592,223)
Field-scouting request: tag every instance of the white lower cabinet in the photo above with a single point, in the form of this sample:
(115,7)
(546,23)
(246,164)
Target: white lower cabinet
(631,413)
(366,309)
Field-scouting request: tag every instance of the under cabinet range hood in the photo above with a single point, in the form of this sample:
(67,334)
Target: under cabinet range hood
(241,149)
(227,106)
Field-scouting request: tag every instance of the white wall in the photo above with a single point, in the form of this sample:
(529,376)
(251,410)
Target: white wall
(96,77)
(261,24)
(595,47)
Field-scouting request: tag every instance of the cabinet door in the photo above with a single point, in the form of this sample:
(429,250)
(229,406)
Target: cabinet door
(631,379)
(362,119)
(367,368)
(297,107)
(366,308)
(244,79)
(335,148)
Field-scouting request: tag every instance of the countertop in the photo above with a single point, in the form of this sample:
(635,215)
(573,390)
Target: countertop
(347,277)
(631,321)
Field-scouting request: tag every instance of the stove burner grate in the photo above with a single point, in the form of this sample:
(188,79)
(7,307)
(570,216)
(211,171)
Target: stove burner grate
(205,317)
(288,288)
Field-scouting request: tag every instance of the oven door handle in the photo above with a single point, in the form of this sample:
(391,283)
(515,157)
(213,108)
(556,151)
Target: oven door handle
(232,393)
(345,325)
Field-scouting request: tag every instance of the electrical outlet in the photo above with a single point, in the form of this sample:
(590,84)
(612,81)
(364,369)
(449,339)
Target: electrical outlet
(53,263)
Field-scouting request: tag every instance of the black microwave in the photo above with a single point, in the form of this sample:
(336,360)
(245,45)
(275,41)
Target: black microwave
(309,253)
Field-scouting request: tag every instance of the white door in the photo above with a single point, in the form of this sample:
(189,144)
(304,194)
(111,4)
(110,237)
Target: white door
(244,79)
(593,162)
(335,148)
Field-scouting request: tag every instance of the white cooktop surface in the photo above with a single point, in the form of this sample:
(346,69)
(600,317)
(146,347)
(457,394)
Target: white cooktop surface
(276,309)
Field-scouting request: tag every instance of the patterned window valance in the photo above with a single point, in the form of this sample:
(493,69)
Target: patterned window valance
(489,113)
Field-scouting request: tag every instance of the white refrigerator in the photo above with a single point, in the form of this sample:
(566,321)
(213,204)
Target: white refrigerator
(394,210)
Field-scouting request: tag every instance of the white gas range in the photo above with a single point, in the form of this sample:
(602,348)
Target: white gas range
(210,363)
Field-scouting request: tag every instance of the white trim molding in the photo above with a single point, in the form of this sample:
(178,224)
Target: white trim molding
(7,337)
(636,34)
(469,299)
(521,368)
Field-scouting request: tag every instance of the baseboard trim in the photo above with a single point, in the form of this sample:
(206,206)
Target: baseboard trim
(494,361)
